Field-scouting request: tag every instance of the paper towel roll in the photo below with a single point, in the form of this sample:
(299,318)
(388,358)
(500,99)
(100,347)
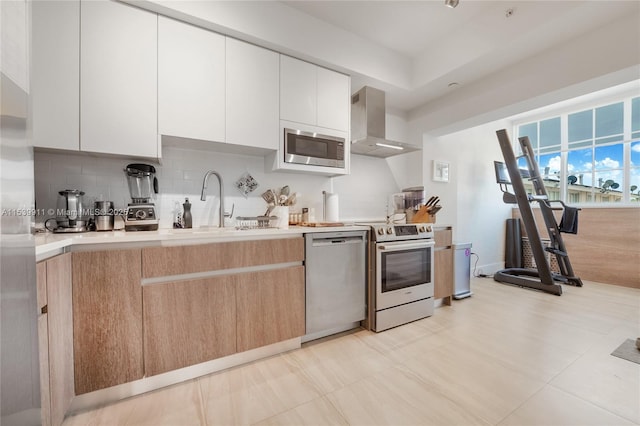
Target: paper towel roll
(331,208)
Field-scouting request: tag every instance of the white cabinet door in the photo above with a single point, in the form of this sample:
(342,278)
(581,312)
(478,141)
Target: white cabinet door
(118,79)
(334,100)
(298,90)
(191,73)
(252,95)
(55,74)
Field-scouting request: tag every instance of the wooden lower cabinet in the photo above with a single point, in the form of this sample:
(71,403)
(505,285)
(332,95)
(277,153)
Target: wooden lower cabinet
(188,322)
(270,307)
(193,321)
(443,265)
(107,318)
(443,273)
(55,337)
(188,259)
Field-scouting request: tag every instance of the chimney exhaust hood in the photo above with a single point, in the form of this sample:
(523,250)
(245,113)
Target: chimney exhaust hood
(368,135)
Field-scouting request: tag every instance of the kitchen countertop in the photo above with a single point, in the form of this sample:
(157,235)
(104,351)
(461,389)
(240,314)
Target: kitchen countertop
(49,244)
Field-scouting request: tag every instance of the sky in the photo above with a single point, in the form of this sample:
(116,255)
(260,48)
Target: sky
(609,163)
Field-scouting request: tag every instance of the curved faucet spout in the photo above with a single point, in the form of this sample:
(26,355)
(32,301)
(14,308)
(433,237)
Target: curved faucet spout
(203,196)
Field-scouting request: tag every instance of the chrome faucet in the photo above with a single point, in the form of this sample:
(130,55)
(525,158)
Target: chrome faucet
(203,196)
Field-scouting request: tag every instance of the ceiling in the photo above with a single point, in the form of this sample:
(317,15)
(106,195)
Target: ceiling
(450,48)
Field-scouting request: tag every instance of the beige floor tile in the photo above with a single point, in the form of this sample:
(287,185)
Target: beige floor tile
(604,380)
(481,384)
(254,392)
(505,354)
(398,397)
(339,362)
(522,352)
(112,414)
(391,339)
(551,407)
(402,353)
(179,404)
(320,411)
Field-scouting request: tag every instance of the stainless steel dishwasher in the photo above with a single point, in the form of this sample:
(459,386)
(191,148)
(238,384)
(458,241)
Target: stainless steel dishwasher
(335,269)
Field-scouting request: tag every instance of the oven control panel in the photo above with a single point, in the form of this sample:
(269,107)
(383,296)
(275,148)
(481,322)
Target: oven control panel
(392,232)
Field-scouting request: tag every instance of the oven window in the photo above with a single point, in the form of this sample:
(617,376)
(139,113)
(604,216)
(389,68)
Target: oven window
(405,268)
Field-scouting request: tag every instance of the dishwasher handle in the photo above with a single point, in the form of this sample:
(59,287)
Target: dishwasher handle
(323,242)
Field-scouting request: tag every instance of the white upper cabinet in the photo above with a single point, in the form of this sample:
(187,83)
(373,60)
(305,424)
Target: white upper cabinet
(191,74)
(55,74)
(298,90)
(334,100)
(313,95)
(252,95)
(118,79)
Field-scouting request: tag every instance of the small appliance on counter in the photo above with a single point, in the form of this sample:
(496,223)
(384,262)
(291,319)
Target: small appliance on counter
(413,201)
(141,212)
(104,215)
(70,213)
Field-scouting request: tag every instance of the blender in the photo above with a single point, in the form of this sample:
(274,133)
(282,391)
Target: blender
(70,213)
(143,184)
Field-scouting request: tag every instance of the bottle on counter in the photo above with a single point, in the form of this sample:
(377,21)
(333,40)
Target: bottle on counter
(186,216)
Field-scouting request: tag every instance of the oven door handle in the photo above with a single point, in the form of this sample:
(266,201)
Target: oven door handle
(405,246)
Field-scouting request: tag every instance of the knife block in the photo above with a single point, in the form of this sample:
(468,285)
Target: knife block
(422,216)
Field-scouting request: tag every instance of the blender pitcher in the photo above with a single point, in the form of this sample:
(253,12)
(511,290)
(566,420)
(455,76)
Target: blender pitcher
(142,182)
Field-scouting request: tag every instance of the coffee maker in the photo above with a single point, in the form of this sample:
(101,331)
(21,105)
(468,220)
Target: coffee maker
(141,212)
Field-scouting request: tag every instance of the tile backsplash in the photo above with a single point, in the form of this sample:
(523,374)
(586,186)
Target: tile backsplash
(181,173)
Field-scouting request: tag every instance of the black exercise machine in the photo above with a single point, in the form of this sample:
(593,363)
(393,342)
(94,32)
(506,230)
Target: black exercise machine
(542,278)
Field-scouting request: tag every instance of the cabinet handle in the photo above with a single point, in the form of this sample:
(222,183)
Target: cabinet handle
(44,309)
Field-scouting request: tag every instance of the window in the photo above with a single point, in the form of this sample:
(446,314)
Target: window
(588,153)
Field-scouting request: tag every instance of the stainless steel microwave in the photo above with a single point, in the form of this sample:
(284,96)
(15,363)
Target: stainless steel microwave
(313,149)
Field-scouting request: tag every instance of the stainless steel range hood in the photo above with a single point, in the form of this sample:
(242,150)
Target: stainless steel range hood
(368,135)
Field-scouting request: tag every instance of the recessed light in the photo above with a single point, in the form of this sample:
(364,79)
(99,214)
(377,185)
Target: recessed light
(453,84)
(451,3)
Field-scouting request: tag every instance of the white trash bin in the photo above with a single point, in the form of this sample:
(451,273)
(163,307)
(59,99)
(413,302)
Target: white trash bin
(461,270)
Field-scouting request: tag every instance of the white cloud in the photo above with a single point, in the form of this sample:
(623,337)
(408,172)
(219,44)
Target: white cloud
(635,147)
(608,163)
(554,163)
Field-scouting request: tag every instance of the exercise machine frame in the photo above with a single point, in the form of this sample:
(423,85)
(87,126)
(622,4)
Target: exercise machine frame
(542,278)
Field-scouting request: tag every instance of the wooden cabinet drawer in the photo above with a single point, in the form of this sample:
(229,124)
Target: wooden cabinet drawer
(166,261)
(270,307)
(188,322)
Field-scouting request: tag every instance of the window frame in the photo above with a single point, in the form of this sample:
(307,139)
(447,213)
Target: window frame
(563,112)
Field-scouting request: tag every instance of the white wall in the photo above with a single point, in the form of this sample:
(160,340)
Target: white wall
(406,168)
(471,200)
(362,194)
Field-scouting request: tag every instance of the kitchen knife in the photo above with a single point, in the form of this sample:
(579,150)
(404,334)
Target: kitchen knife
(429,201)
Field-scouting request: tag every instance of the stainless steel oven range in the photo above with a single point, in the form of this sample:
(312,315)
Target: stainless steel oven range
(400,276)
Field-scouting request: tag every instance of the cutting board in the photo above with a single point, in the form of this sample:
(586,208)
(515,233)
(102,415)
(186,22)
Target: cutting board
(321,224)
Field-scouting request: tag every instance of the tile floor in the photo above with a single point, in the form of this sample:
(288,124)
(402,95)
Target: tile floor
(505,356)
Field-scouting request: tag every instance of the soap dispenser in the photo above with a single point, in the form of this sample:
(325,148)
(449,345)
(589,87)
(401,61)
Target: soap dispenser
(186,216)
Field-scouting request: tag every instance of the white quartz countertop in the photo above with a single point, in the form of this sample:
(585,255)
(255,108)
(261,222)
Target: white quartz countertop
(49,244)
